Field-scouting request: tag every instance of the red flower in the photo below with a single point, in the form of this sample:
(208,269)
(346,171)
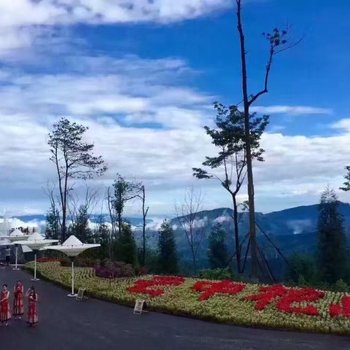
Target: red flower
(267,295)
(152,287)
(285,299)
(209,289)
(341,310)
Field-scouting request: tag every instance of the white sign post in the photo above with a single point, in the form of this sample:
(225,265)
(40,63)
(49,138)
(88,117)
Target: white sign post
(138,309)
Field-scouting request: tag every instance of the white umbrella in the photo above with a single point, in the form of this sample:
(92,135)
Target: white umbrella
(14,236)
(36,242)
(73,247)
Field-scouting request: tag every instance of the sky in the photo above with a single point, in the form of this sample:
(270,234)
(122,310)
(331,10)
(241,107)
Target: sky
(143,76)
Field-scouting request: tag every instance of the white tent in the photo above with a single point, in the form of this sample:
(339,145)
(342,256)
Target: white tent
(36,242)
(73,247)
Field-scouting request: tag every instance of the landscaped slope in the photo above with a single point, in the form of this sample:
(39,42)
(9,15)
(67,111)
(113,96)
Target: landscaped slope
(274,306)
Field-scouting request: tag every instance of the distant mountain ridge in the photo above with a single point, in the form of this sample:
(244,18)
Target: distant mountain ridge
(296,220)
(292,229)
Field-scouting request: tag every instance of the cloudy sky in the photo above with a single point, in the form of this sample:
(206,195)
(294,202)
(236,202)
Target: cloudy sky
(143,76)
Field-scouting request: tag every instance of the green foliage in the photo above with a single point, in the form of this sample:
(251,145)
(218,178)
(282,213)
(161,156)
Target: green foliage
(124,247)
(229,137)
(217,252)
(80,226)
(73,159)
(167,260)
(102,235)
(67,146)
(346,184)
(53,227)
(341,286)
(216,274)
(303,267)
(331,256)
(124,191)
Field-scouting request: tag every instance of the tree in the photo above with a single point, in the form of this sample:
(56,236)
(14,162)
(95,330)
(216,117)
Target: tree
(125,247)
(53,220)
(123,191)
(145,209)
(346,184)
(73,159)
(301,266)
(331,255)
(167,249)
(80,226)
(277,43)
(188,219)
(102,235)
(229,136)
(53,228)
(217,252)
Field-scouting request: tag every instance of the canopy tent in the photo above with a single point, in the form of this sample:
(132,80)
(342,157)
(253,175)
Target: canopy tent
(72,247)
(36,242)
(17,235)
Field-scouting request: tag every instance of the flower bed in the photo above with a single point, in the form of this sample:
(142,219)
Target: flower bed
(275,306)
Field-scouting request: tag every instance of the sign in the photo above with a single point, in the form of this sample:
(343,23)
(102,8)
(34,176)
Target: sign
(138,309)
(80,295)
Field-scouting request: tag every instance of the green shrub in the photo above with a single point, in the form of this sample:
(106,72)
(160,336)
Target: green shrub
(216,274)
(340,286)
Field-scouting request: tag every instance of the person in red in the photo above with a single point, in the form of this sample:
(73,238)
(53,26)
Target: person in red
(32,307)
(18,306)
(5,313)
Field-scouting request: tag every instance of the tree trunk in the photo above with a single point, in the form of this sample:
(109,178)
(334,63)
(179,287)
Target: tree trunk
(144,215)
(250,179)
(236,233)
(64,209)
(119,223)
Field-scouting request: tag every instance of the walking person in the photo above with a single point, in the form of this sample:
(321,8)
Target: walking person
(32,307)
(5,313)
(18,305)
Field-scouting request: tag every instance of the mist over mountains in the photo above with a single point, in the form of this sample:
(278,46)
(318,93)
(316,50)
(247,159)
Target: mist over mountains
(293,229)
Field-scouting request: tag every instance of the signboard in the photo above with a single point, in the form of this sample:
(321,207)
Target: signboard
(80,295)
(139,304)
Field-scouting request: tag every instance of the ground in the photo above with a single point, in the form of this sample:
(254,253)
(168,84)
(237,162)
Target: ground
(68,324)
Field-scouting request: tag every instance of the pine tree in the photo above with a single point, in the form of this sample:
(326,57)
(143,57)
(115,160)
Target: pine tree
(125,247)
(217,253)
(331,239)
(167,249)
(53,228)
(73,159)
(80,227)
(102,235)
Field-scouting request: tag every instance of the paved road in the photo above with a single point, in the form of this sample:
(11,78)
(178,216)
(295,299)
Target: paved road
(67,324)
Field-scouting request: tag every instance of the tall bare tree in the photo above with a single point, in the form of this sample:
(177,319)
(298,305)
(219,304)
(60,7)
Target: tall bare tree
(229,166)
(73,159)
(277,42)
(189,220)
(145,209)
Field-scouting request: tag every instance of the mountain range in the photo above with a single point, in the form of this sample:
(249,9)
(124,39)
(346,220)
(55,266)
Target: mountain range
(292,230)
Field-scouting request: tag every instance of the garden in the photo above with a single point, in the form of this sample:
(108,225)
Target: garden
(226,301)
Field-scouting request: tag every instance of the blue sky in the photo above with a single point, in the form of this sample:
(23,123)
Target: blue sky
(144,77)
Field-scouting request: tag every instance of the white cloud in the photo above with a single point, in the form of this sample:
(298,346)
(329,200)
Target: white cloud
(342,125)
(23,22)
(121,100)
(50,12)
(291,110)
